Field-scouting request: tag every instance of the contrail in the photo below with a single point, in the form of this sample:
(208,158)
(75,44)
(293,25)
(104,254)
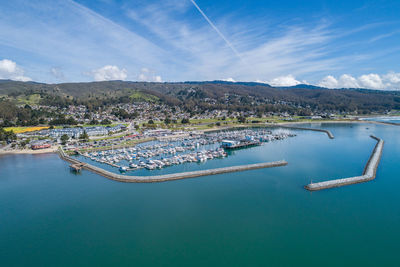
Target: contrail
(216,29)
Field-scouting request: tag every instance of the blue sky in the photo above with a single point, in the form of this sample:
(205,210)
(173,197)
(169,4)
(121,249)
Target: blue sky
(329,43)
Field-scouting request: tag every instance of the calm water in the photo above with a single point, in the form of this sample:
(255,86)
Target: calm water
(393,119)
(52,217)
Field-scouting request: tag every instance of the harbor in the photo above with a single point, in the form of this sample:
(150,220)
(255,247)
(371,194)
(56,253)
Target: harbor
(194,148)
(169,177)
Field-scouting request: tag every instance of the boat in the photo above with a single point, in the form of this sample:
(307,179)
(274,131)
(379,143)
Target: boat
(133,165)
(123,169)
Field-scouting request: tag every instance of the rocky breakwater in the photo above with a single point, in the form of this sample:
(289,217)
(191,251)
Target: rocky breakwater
(368,174)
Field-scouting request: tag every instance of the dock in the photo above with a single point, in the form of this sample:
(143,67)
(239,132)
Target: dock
(168,177)
(76,167)
(368,174)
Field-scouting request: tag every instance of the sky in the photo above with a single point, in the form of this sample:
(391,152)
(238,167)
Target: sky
(330,43)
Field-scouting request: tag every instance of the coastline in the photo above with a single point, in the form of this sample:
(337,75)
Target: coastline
(29,151)
(276,124)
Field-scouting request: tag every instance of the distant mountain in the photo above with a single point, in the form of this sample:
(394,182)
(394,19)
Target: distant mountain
(306,86)
(195,92)
(229,82)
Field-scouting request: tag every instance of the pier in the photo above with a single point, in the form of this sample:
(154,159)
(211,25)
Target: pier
(168,177)
(76,167)
(330,135)
(368,174)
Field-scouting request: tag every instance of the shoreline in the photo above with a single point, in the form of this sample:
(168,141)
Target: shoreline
(29,151)
(221,128)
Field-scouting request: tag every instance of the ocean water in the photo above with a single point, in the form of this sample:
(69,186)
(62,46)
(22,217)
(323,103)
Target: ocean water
(52,217)
(391,119)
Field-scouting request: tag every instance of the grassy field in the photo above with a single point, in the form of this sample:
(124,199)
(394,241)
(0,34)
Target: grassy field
(25,129)
(140,96)
(28,99)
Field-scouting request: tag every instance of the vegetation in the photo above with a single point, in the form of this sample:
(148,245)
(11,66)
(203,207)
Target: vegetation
(241,119)
(145,97)
(232,96)
(185,121)
(64,139)
(62,120)
(25,129)
(191,97)
(7,135)
(84,137)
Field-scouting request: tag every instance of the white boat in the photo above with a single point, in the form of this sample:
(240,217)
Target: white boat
(133,166)
(123,169)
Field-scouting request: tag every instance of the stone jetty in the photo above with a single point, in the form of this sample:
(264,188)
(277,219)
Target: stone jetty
(368,174)
(168,177)
(330,135)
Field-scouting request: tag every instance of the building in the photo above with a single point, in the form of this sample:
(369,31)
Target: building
(228,143)
(40,145)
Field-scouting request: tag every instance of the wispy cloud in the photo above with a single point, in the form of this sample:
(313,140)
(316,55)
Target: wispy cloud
(175,43)
(70,35)
(216,29)
(383,36)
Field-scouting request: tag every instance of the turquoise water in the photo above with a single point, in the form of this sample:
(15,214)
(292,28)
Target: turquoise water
(52,217)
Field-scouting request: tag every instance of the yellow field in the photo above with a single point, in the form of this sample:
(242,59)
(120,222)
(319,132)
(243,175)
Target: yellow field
(25,129)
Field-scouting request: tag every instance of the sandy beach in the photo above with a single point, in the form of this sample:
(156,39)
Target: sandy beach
(29,151)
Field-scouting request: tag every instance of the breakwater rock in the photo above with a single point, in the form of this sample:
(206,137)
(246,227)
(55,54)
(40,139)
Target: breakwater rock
(368,174)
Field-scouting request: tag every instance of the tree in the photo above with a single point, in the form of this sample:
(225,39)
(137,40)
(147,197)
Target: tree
(64,139)
(150,122)
(167,121)
(94,122)
(106,122)
(241,119)
(84,137)
(23,144)
(185,121)
(7,135)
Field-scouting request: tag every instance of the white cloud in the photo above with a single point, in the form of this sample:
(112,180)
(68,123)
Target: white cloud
(147,75)
(392,78)
(372,81)
(348,81)
(109,73)
(288,80)
(389,81)
(329,82)
(229,80)
(10,70)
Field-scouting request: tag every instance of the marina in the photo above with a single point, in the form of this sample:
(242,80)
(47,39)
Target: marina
(196,148)
(169,177)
